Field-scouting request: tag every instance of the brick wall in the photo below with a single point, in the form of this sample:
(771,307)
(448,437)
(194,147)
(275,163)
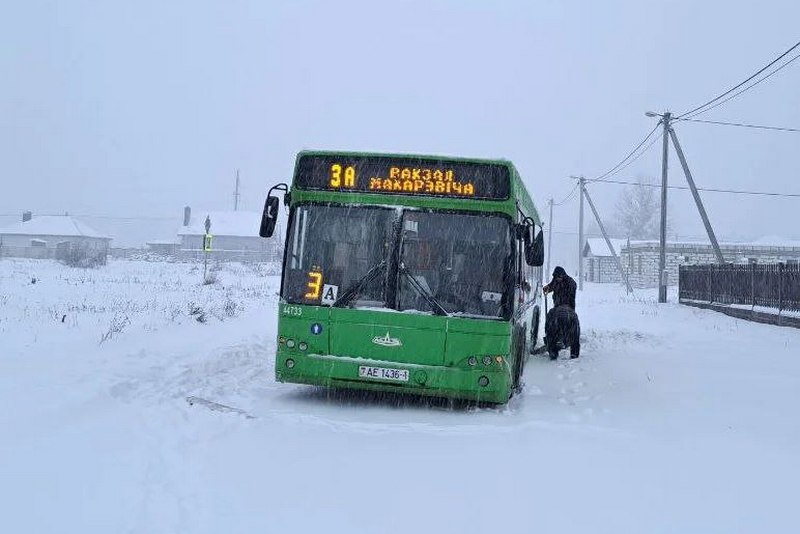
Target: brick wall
(648,257)
(640,261)
(600,269)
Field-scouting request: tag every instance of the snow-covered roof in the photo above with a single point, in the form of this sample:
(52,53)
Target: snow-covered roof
(231,223)
(776,241)
(678,243)
(596,246)
(763,242)
(55,225)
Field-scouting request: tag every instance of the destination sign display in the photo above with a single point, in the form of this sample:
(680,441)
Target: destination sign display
(400,175)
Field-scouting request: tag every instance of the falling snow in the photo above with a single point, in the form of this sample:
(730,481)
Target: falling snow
(673,419)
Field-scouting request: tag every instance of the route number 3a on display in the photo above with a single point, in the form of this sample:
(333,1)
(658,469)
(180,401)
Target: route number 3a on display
(327,293)
(343,176)
(314,285)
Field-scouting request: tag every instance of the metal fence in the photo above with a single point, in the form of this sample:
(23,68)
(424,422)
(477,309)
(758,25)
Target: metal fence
(769,285)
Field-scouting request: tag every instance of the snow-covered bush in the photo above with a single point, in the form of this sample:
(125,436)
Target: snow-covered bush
(118,324)
(81,255)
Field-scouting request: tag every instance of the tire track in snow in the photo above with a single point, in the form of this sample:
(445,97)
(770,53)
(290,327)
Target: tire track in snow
(228,373)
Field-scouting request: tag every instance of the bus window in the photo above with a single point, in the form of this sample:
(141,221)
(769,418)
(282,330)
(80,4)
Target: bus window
(462,259)
(331,248)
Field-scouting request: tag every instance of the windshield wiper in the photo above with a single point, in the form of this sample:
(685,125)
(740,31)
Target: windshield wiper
(356,288)
(437,308)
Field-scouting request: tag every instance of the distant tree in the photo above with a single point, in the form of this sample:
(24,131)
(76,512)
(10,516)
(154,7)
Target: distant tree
(638,211)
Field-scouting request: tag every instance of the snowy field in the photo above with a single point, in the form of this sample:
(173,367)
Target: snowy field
(674,419)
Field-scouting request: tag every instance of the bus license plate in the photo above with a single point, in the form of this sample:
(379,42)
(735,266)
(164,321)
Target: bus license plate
(380,373)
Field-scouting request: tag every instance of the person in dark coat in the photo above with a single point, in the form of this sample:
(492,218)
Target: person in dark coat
(562,327)
(563,288)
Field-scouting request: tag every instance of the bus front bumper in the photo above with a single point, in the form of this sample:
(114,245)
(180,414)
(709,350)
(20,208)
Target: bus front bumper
(478,384)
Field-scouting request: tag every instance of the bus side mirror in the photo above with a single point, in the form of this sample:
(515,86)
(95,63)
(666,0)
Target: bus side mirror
(534,250)
(269,218)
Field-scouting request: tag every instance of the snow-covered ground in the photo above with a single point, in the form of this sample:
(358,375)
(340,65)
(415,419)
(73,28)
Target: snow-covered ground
(674,419)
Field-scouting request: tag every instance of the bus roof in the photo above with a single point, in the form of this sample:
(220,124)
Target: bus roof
(432,157)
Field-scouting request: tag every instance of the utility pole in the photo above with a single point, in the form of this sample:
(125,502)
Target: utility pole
(669,132)
(662,254)
(549,236)
(581,185)
(236,193)
(622,274)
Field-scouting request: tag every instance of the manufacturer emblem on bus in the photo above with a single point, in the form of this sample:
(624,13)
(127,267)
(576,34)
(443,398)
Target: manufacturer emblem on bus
(387,341)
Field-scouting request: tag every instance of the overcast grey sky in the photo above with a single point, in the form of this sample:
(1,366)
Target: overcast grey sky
(139,108)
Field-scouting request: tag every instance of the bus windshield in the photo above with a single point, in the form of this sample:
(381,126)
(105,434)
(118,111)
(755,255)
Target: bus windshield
(438,262)
(461,261)
(331,249)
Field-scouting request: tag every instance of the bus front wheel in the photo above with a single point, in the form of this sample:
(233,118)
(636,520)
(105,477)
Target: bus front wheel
(519,363)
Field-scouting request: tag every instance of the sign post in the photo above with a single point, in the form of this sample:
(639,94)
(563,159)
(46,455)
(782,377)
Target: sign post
(206,248)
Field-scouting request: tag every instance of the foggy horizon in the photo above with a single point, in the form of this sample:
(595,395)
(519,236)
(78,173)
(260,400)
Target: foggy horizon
(137,111)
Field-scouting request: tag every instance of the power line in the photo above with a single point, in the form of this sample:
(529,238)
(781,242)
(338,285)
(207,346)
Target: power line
(639,155)
(708,189)
(564,232)
(742,125)
(568,197)
(735,87)
(748,87)
(613,170)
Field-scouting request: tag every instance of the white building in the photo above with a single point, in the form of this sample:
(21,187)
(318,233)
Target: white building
(599,264)
(234,237)
(52,236)
(640,259)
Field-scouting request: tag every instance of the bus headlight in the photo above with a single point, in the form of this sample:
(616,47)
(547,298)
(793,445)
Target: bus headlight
(483,381)
(472,361)
(487,360)
(302,346)
(290,343)
(289,363)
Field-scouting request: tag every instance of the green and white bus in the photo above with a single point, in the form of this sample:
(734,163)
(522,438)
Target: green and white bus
(407,273)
